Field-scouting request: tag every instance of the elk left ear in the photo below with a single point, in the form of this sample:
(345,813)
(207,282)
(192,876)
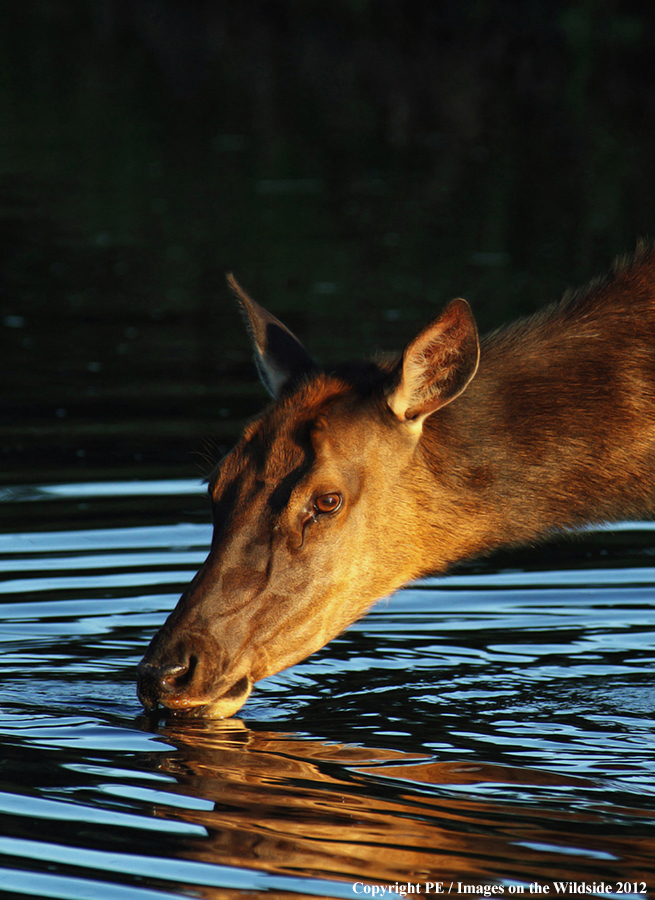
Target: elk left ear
(437,365)
(279,355)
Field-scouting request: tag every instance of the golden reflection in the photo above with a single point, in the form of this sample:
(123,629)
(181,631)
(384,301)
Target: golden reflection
(309,808)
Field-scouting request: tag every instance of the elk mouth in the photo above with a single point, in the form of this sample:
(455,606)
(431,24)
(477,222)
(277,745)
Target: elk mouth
(181,705)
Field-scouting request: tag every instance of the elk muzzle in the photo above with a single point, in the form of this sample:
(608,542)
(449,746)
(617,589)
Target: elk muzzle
(187,677)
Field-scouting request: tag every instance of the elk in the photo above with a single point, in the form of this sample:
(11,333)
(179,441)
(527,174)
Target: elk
(362,477)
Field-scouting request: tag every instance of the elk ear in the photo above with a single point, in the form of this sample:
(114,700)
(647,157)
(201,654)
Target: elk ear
(279,355)
(437,365)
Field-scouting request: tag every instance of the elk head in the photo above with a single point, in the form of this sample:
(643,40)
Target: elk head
(317,512)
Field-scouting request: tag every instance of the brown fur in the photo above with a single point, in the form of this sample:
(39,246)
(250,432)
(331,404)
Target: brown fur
(432,462)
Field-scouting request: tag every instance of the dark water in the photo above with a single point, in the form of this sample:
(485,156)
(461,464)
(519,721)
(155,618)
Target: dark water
(356,165)
(495,726)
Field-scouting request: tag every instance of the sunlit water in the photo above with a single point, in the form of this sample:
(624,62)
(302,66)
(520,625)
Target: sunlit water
(493,727)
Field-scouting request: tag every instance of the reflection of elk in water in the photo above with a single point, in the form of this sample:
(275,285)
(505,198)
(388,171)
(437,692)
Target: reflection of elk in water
(317,809)
(362,478)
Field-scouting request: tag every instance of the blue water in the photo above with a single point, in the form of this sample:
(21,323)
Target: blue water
(494,726)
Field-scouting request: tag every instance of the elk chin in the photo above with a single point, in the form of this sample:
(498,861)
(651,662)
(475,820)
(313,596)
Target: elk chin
(219,708)
(229,703)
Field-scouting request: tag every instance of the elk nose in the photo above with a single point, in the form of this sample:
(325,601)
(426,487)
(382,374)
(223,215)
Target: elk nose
(155,682)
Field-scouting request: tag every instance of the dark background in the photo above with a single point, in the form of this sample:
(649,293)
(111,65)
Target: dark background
(356,164)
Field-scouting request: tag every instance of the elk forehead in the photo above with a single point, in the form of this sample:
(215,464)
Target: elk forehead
(279,448)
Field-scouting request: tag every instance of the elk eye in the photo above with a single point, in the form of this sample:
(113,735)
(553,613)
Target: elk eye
(327,503)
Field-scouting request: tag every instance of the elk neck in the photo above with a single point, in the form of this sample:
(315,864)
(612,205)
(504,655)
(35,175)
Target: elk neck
(556,430)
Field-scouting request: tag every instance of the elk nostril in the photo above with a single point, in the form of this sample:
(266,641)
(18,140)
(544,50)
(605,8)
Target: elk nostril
(169,678)
(177,676)
(156,682)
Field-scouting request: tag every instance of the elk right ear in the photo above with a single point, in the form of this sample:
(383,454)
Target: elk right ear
(279,355)
(437,365)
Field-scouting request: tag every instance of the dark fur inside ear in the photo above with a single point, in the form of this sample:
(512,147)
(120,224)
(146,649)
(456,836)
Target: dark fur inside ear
(437,365)
(279,355)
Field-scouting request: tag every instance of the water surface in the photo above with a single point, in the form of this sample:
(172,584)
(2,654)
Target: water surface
(494,726)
